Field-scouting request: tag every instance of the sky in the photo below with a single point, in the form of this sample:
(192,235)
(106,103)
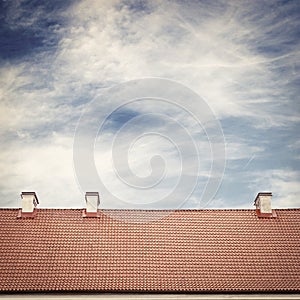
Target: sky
(154,104)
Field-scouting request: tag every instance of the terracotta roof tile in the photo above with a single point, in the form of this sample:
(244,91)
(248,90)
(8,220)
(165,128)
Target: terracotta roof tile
(188,250)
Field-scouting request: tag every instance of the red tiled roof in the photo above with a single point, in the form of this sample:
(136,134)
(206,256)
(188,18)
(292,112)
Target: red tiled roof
(189,250)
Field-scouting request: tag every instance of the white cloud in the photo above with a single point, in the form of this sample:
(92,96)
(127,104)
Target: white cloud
(284,183)
(238,149)
(44,166)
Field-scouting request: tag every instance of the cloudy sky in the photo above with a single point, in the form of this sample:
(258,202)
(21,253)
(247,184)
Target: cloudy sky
(168,104)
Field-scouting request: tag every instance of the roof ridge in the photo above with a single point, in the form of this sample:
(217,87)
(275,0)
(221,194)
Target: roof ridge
(152,210)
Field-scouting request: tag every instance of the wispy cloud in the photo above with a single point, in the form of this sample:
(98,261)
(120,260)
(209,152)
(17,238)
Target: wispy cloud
(241,57)
(283,182)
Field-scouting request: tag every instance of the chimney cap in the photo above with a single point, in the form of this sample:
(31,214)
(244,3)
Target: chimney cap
(92,194)
(262,194)
(31,193)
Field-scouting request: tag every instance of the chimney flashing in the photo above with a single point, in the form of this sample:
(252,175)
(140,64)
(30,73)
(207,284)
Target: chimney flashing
(24,215)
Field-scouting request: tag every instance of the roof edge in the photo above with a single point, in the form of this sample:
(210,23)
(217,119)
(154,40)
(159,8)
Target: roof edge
(158,210)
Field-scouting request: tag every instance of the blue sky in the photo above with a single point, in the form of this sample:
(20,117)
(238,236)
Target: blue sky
(70,66)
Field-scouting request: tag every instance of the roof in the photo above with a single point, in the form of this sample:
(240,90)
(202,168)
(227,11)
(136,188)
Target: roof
(187,251)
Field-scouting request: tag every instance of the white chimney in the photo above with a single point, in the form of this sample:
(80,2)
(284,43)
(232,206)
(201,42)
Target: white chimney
(263,203)
(29,203)
(92,201)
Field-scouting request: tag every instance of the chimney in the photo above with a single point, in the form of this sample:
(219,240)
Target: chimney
(263,205)
(92,202)
(29,204)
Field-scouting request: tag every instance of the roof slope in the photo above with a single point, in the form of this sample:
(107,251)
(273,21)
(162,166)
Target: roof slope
(189,250)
